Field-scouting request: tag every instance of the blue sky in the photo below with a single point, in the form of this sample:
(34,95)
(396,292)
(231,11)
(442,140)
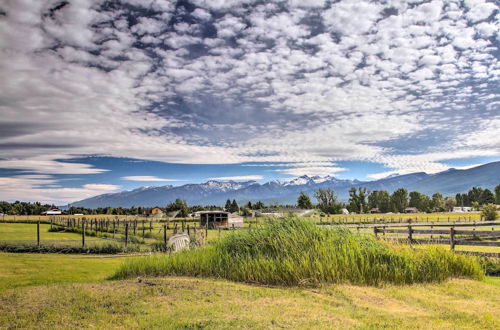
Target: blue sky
(101,96)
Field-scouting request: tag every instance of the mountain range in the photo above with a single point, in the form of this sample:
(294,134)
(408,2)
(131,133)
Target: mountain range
(212,192)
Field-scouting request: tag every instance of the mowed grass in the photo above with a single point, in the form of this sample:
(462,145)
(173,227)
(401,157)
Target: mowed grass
(26,269)
(27,232)
(190,303)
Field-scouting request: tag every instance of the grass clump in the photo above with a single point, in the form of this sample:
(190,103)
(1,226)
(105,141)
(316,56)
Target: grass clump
(295,251)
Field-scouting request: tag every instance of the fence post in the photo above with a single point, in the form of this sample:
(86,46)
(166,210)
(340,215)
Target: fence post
(206,230)
(410,234)
(452,238)
(38,233)
(126,234)
(143,228)
(219,233)
(114,226)
(165,237)
(150,225)
(83,233)
(375,231)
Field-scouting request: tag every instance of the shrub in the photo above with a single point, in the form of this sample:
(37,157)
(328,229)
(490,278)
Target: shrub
(109,248)
(295,251)
(489,212)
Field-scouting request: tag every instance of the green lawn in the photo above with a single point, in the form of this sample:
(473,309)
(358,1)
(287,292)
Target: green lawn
(23,231)
(70,291)
(26,269)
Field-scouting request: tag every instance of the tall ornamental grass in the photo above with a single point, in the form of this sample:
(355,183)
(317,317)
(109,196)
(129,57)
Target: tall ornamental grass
(295,251)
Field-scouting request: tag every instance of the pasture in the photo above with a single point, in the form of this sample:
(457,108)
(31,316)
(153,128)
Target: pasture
(68,291)
(76,290)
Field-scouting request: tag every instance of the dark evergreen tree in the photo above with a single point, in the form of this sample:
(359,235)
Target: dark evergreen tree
(304,202)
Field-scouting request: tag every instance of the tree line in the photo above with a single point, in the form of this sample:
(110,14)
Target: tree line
(363,201)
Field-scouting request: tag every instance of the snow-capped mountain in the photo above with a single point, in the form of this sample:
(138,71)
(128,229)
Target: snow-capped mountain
(217,192)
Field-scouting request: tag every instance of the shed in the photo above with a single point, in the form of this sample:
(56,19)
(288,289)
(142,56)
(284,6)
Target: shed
(411,210)
(53,211)
(375,210)
(216,219)
(157,212)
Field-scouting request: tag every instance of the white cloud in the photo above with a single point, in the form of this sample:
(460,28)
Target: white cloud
(45,189)
(146,178)
(238,178)
(273,86)
(312,171)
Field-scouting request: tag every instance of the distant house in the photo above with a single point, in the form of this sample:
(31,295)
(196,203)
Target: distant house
(462,209)
(157,212)
(345,211)
(220,219)
(53,211)
(411,210)
(375,210)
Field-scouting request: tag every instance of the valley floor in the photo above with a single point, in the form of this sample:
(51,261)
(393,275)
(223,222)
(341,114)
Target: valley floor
(54,291)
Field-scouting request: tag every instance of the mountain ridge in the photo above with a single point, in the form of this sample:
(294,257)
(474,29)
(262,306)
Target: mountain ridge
(214,192)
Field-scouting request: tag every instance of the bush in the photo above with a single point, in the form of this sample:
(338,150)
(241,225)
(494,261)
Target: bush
(295,251)
(489,212)
(110,248)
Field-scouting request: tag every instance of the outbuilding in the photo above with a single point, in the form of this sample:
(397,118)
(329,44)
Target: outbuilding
(220,219)
(411,210)
(53,211)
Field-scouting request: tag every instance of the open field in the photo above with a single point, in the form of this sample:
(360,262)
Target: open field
(25,233)
(351,218)
(402,217)
(50,298)
(28,269)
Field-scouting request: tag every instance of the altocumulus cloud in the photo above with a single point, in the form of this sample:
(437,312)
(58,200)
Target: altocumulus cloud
(246,81)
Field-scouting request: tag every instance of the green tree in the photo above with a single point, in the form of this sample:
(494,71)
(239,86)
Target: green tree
(497,194)
(489,212)
(258,206)
(327,201)
(487,197)
(449,204)
(357,200)
(234,207)
(379,199)
(399,200)
(420,201)
(227,207)
(179,205)
(304,202)
(474,195)
(437,202)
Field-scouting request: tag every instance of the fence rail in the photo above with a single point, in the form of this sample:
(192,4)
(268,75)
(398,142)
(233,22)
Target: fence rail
(484,233)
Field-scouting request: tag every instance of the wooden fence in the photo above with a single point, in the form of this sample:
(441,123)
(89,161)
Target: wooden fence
(484,233)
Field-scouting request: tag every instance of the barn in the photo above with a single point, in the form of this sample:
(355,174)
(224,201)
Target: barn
(220,219)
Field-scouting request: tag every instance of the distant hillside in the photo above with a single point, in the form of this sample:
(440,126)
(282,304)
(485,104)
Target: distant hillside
(448,182)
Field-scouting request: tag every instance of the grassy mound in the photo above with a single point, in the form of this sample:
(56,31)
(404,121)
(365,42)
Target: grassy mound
(295,251)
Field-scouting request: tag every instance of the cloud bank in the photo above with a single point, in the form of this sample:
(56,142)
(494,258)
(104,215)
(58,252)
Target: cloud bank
(407,84)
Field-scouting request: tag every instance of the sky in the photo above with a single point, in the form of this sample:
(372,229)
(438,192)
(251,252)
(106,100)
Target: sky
(101,96)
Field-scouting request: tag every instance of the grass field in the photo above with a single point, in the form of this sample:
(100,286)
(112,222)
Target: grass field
(396,217)
(393,217)
(43,293)
(26,269)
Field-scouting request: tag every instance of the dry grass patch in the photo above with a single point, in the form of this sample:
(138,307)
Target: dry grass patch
(178,302)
